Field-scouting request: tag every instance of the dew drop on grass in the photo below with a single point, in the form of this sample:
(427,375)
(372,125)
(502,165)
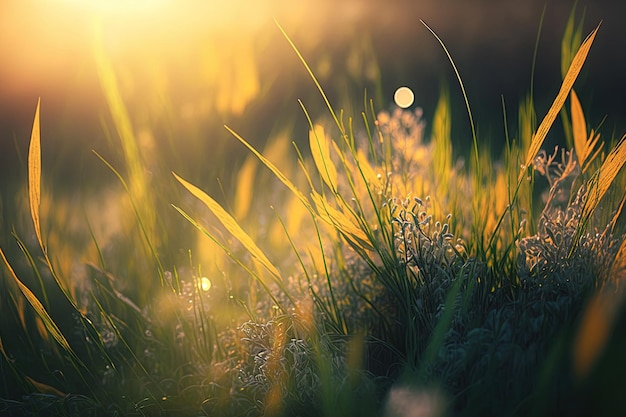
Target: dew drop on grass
(404,97)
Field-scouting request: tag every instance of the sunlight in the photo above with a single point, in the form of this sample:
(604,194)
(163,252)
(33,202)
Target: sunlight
(113,6)
(50,45)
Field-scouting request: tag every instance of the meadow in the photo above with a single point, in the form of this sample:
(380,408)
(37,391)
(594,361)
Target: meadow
(370,268)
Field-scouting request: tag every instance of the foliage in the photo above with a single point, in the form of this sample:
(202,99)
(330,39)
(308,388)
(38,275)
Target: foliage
(388,273)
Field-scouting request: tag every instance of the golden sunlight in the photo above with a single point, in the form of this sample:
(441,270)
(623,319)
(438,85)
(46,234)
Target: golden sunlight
(113,6)
(201,55)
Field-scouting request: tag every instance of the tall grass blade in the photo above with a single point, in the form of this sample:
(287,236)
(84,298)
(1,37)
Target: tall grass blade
(40,310)
(342,222)
(566,86)
(140,219)
(535,50)
(137,177)
(585,146)
(579,128)
(119,113)
(34,194)
(245,187)
(571,38)
(465,98)
(231,225)
(600,183)
(282,177)
(442,143)
(34,175)
(317,84)
(320,146)
(238,261)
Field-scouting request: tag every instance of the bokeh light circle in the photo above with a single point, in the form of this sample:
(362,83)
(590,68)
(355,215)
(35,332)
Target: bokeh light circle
(205,284)
(404,97)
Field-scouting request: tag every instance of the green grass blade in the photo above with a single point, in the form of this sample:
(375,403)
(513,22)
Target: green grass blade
(138,215)
(571,38)
(317,84)
(465,98)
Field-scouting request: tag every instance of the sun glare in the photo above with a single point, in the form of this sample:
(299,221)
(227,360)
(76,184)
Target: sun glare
(115,6)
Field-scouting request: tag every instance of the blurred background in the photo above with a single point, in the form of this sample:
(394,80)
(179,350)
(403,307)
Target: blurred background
(186,68)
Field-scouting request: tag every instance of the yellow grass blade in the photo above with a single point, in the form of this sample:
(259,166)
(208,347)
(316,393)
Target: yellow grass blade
(272,168)
(340,221)
(593,149)
(579,128)
(34,175)
(231,225)
(566,86)
(593,333)
(117,108)
(599,185)
(39,309)
(371,178)
(586,146)
(442,144)
(133,157)
(45,388)
(245,187)
(599,317)
(320,149)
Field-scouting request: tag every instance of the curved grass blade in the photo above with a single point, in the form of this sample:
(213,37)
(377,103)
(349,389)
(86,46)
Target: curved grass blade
(238,261)
(272,168)
(467,105)
(600,183)
(48,322)
(317,83)
(231,225)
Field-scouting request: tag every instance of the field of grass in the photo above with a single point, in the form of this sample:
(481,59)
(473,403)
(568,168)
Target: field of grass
(375,271)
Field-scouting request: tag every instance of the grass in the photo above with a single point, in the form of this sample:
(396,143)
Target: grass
(379,273)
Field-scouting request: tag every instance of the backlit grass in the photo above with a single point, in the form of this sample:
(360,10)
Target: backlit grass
(368,270)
